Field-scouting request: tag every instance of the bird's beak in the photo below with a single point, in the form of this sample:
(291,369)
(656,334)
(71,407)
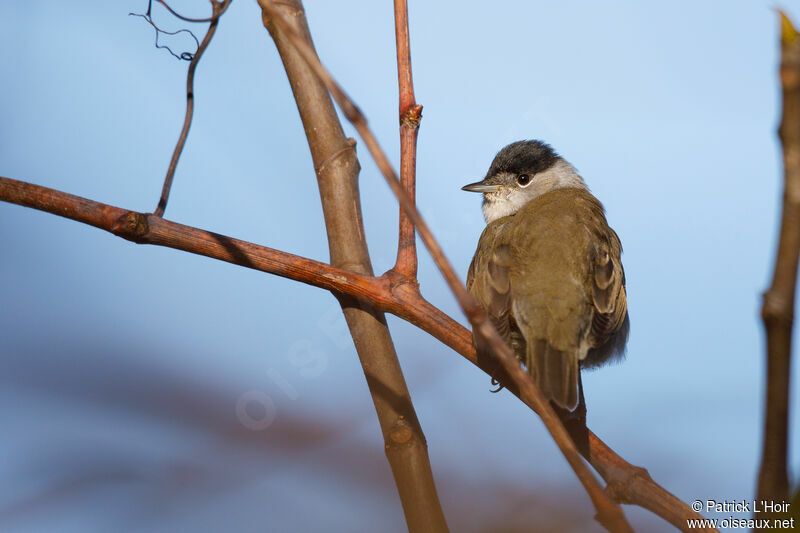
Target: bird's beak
(480,186)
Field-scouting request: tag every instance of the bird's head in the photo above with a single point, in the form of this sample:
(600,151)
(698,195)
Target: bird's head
(519,173)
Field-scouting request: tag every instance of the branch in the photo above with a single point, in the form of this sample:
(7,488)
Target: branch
(337,175)
(144,228)
(410,116)
(609,514)
(387,293)
(626,483)
(212,18)
(778,308)
(218,8)
(633,485)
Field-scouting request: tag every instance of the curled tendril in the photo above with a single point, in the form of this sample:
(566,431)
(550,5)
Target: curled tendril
(185,56)
(497,384)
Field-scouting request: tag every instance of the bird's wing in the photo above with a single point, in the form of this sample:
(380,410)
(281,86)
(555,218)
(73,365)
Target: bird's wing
(489,280)
(607,289)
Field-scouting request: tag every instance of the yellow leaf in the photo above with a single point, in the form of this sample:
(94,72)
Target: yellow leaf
(788,32)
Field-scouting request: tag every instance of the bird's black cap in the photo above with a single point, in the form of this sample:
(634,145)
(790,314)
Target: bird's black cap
(523,157)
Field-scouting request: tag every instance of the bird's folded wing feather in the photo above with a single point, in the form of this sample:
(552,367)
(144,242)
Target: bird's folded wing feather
(608,289)
(489,279)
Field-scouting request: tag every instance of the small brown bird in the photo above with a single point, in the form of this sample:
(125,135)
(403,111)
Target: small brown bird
(548,269)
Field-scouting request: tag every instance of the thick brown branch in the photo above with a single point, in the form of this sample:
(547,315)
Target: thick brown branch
(218,8)
(410,117)
(149,229)
(778,308)
(337,177)
(609,514)
(389,293)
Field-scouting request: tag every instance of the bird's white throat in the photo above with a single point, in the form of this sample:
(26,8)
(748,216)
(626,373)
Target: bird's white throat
(509,200)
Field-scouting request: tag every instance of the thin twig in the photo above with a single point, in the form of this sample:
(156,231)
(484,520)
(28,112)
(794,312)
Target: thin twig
(609,514)
(188,19)
(384,293)
(218,8)
(778,307)
(184,56)
(410,117)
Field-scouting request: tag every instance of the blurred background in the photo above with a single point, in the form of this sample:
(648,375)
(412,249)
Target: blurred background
(146,389)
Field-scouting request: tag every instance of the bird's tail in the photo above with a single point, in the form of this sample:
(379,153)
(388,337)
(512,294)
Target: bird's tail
(555,371)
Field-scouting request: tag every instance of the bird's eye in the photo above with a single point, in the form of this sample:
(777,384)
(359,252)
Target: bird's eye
(524,180)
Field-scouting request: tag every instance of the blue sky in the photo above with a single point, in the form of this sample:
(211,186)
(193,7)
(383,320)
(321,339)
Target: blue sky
(122,365)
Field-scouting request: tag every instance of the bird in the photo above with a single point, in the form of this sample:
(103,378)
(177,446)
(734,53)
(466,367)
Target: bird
(547,269)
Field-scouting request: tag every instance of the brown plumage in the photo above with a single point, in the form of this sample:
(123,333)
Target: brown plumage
(550,277)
